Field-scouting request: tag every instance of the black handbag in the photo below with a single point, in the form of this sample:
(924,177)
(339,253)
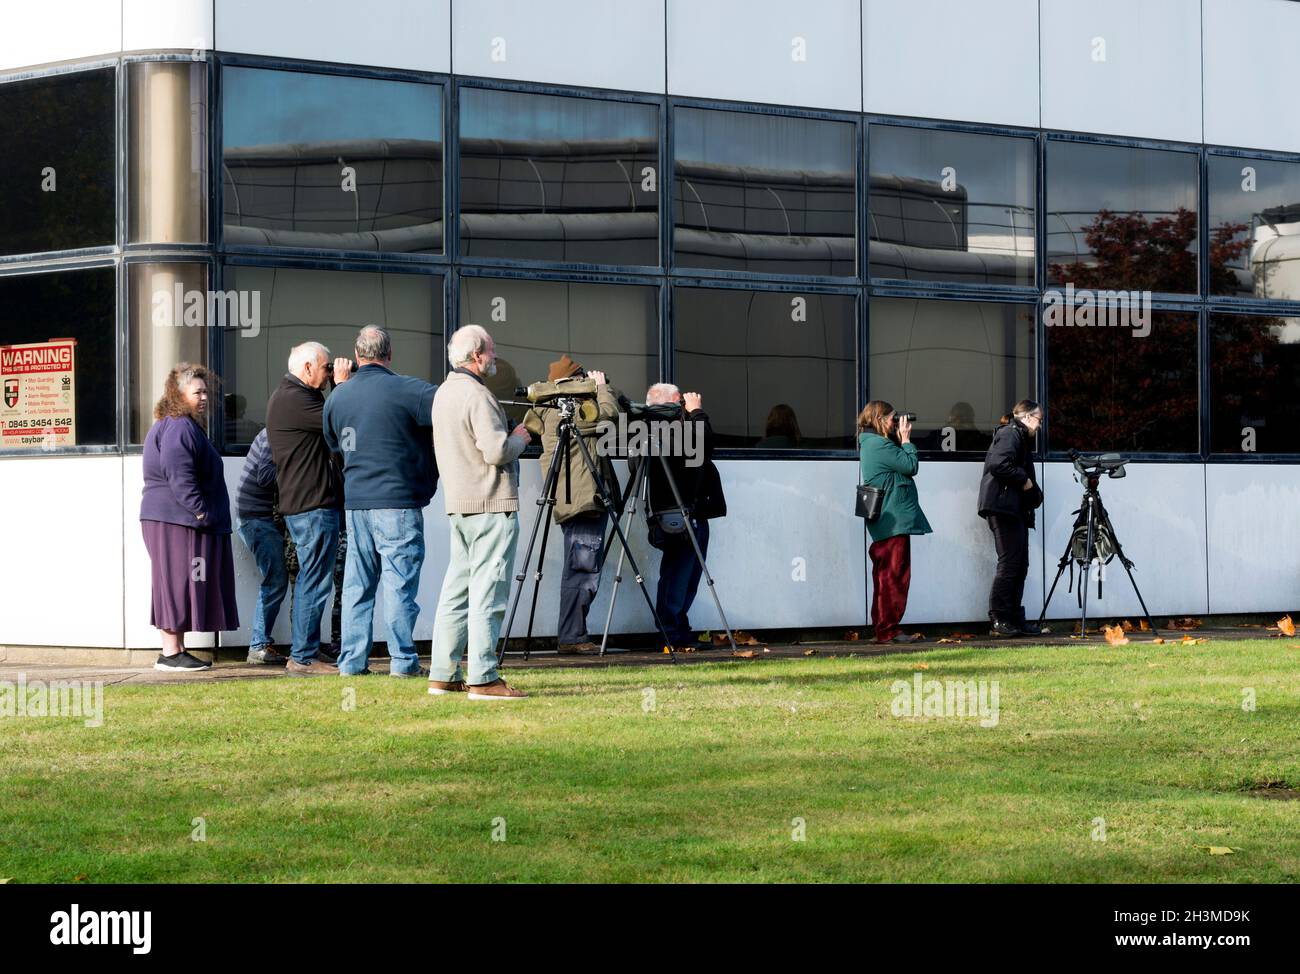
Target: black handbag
(870,501)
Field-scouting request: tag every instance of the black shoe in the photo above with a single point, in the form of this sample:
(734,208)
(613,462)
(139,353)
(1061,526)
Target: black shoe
(182,662)
(1003,628)
(1030,628)
(328,654)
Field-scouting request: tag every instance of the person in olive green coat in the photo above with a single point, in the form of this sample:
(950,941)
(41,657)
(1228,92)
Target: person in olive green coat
(888,460)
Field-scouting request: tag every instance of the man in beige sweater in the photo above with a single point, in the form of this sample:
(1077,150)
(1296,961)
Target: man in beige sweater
(478,465)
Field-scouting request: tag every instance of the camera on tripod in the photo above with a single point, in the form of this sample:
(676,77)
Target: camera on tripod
(575,399)
(1091,468)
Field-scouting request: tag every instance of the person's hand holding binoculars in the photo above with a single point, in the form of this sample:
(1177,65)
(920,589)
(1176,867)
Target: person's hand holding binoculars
(904,428)
(692,401)
(597,377)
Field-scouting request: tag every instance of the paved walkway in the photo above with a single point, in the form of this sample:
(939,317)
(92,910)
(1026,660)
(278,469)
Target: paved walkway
(937,638)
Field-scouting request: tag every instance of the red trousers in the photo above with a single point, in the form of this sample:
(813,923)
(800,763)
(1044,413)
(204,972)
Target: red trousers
(891,574)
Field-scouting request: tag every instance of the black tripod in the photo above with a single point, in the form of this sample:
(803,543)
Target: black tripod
(637,494)
(568,433)
(1092,530)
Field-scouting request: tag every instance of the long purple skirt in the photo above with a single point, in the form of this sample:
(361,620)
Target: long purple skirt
(193,578)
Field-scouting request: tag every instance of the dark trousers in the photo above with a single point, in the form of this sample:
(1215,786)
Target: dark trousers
(584,536)
(1011,538)
(891,576)
(679,579)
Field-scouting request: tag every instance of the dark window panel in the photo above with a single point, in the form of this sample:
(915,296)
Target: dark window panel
(1254,228)
(288,136)
(974,224)
(1121,217)
(612,328)
(556,178)
(1254,384)
(777,370)
(1108,388)
(81,305)
(297,305)
(764,193)
(66,123)
(959,365)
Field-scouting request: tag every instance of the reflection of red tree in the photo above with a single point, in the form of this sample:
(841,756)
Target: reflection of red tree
(1110,390)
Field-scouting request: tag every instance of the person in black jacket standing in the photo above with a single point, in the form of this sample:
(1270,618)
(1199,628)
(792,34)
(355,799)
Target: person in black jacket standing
(700,486)
(1007,499)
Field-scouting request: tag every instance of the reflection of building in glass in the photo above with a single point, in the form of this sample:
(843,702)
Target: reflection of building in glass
(1274,254)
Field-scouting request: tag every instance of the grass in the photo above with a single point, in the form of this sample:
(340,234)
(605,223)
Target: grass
(705,786)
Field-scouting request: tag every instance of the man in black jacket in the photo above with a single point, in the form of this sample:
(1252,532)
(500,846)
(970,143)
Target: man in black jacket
(311,492)
(700,486)
(1007,499)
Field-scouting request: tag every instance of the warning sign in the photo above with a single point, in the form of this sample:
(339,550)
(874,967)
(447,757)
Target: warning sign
(39,405)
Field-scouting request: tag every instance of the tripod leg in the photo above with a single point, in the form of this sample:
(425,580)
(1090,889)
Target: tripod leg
(1060,570)
(699,555)
(548,492)
(636,480)
(1087,563)
(603,490)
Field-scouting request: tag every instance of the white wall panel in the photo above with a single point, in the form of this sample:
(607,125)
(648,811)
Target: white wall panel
(964,61)
(152,24)
(1248,81)
(412,34)
(747,50)
(1254,518)
(592,43)
(58,30)
(1148,86)
(61,557)
(1158,512)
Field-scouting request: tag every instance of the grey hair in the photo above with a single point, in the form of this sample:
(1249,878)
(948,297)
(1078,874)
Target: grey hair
(300,355)
(661,393)
(374,344)
(466,342)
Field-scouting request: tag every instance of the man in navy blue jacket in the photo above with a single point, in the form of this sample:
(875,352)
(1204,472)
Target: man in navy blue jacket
(381,424)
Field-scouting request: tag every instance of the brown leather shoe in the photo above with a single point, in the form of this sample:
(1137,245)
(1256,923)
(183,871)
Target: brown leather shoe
(314,668)
(438,687)
(579,649)
(497,690)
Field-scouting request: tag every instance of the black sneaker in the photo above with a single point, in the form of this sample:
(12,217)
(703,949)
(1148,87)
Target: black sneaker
(180,663)
(422,671)
(1004,628)
(328,654)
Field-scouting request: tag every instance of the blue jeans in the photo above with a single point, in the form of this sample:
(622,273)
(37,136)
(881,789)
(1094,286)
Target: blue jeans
(387,543)
(315,535)
(583,537)
(475,591)
(264,541)
(679,579)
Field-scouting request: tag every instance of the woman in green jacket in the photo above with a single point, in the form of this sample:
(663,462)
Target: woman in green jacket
(888,460)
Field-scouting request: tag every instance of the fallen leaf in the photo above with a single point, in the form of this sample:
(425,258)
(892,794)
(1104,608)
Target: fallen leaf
(922,666)
(945,639)
(1115,635)
(1158,640)
(852,636)
(745,639)
(1286,625)
(1187,622)
(1191,641)
(744,654)
(668,649)
(1220,850)
(1144,626)
(961,635)
(1126,626)
(806,652)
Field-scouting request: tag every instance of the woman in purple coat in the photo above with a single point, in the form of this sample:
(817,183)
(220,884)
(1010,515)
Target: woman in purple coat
(185,517)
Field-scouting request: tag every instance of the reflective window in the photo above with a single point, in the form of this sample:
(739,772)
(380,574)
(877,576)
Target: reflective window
(777,370)
(332,162)
(280,307)
(613,328)
(60,150)
(1254,228)
(763,193)
(1131,389)
(1254,384)
(951,206)
(1121,218)
(958,365)
(58,360)
(167,323)
(168,149)
(547,177)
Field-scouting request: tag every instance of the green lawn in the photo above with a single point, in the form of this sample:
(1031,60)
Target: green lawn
(592,786)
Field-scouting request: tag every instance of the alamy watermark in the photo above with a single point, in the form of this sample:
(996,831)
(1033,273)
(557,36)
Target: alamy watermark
(947,698)
(58,698)
(193,308)
(652,438)
(1098,309)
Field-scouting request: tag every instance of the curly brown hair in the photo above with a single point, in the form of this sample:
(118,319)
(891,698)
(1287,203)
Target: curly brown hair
(172,402)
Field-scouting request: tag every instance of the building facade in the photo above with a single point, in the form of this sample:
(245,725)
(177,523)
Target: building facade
(790,208)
